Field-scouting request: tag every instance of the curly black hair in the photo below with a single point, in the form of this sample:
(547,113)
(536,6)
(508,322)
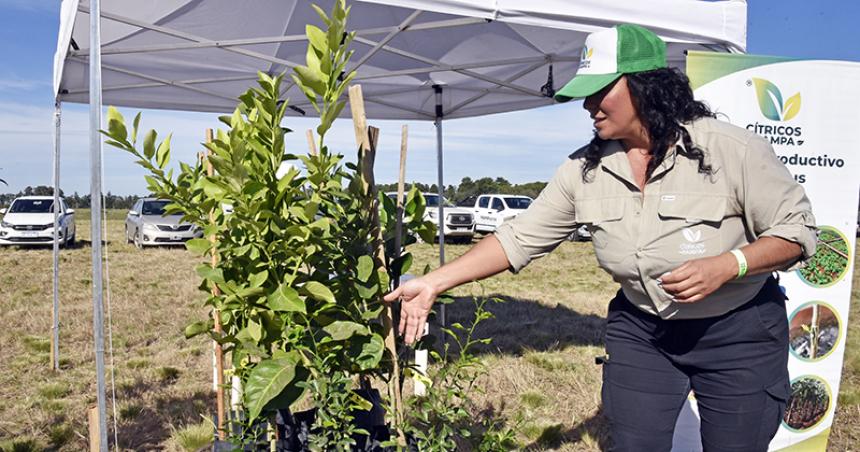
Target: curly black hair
(663,100)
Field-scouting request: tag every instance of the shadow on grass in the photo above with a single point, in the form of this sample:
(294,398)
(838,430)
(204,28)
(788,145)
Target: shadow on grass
(592,431)
(522,325)
(146,425)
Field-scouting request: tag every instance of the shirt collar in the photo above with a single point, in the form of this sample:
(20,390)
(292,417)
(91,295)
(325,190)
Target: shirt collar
(614,159)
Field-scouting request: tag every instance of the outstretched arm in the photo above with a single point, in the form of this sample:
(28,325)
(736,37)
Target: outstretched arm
(485,259)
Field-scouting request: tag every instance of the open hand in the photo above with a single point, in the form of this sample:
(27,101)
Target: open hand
(698,278)
(417,297)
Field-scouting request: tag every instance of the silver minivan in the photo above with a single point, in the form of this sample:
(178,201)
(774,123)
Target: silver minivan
(146,224)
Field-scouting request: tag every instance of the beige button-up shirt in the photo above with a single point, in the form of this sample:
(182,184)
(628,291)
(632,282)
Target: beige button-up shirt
(681,215)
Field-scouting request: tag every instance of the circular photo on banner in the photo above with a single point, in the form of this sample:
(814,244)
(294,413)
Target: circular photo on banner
(830,261)
(808,404)
(813,331)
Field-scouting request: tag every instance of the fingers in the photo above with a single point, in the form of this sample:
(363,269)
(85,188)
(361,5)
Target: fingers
(394,295)
(401,327)
(414,329)
(677,275)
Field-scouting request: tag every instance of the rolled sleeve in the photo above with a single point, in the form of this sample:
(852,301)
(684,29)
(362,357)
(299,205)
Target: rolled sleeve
(775,205)
(544,225)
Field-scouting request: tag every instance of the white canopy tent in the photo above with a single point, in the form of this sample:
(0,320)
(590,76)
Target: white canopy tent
(415,59)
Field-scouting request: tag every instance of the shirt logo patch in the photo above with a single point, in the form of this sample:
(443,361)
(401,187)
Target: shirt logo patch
(692,236)
(693,246)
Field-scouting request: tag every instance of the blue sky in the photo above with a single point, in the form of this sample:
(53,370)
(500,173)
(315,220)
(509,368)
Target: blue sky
(521,146)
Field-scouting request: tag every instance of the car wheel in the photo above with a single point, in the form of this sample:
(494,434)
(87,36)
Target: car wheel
(127,237)
(138,240)
(71,240)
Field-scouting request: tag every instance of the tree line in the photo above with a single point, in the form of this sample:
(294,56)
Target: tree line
(74,201)
(469,187)
(454,193)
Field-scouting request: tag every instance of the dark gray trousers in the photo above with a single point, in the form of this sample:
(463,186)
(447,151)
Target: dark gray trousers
(735,364)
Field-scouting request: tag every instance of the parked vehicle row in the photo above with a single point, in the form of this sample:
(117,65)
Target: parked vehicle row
(491,210)
(29,220)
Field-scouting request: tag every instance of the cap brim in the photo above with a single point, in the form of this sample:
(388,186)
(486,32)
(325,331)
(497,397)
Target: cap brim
(584,85)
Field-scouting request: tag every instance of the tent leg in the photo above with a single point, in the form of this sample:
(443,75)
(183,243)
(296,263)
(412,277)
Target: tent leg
(441,188)
(95,213)
(55,313)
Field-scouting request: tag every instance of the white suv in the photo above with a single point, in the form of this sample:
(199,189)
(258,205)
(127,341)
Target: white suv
(493,210)
(30,221)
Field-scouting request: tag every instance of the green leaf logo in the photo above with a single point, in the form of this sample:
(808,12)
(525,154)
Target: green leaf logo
(770,101)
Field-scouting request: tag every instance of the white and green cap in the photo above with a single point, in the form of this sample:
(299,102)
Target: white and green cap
(611,53)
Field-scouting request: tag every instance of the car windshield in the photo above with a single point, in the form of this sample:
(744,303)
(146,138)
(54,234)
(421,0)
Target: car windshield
(433,201)
(32,206)
(154,207)
(518,203)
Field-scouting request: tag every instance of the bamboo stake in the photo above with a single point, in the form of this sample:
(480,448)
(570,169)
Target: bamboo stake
(93,421)
(366,139)
(216,316)
(311,144)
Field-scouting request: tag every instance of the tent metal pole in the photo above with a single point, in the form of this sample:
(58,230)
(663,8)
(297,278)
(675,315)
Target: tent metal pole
(441,187)
(95,213)
(55,313)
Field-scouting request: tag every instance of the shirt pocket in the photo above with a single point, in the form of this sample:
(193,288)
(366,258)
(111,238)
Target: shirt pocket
(690,225)
(603,219)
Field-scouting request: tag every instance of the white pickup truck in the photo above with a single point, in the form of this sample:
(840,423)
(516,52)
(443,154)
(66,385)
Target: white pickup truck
(459,221)
(492,210)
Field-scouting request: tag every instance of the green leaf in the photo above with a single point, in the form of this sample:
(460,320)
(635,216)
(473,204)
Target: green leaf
(359,402)
(343,329)
(134,130)
(162,155)
(311,79)
(212,274)
(257,279)
(319,291)
(116,124)
(149,144)
(368,351)
(286,299)
(317,38)
(322,14)
(198,246)
(373,313)
(266,381)
(196,328)
(402,264)
(255,330)
(365,268)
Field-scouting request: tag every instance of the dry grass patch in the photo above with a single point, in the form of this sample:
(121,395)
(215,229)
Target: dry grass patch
(541,374)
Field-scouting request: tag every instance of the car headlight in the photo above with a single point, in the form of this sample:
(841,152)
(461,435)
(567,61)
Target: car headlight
(433,214)
(149,227)
(5,224)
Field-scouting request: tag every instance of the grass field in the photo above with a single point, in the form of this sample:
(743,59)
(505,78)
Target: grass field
(541,363)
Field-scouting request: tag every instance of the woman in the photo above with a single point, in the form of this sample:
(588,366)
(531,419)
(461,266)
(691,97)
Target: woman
(691,216)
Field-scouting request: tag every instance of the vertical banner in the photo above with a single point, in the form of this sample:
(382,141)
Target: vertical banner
(807,109)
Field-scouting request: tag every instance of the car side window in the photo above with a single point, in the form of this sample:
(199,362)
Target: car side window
(484,202)
(498,204)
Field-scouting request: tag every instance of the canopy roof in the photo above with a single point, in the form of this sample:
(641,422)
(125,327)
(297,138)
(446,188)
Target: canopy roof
(489,56)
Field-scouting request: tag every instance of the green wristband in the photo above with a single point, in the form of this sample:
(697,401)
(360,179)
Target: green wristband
(742,263)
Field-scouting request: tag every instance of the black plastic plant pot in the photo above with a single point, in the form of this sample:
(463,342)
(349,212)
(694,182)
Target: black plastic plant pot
(294,429)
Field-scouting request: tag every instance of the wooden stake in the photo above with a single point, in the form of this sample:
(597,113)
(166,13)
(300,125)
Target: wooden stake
(216,316)
(93,421)
(366,139)
(311,143)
